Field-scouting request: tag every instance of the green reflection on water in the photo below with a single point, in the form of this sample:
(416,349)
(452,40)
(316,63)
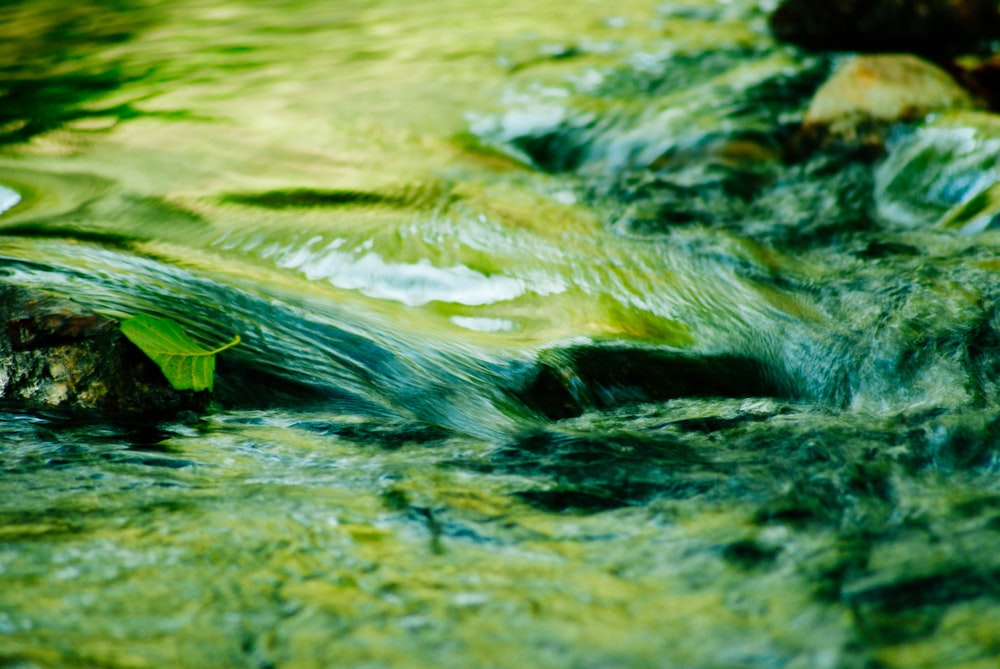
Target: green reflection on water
(302,173)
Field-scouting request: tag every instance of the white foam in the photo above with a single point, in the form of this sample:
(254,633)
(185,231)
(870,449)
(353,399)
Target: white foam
(8,198)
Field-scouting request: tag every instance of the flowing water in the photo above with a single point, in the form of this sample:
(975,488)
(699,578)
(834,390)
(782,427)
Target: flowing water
(555,353)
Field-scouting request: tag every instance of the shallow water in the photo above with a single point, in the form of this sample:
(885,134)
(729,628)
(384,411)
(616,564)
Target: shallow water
(552,354)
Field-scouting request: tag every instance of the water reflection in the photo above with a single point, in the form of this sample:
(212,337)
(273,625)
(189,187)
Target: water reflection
(605,378)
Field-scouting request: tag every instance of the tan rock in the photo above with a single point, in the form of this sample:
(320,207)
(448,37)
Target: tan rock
(882,89)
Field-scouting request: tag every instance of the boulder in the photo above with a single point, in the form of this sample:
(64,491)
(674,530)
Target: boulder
(56,355)
(869,93)
(929,27)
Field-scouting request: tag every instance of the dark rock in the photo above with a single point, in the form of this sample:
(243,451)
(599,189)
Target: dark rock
(930,27)
(56,355)
(571,381)
(982,78)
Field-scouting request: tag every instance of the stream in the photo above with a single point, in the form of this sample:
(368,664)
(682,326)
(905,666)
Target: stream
(552,354)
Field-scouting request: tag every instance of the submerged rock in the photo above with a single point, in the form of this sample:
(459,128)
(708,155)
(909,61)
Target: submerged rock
(867,94)
(918,26)
(572,381)
(980,212)
(931,172)
(56,355)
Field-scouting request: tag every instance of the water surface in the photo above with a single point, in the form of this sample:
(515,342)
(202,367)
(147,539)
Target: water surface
(553,354)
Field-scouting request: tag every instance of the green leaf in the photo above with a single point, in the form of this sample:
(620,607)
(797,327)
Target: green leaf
(186,364)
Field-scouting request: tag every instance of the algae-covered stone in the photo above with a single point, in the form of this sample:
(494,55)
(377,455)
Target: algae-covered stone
(869,91)
(978,213)
(930,171)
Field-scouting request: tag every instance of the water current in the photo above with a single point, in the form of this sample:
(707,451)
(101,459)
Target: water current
(555,353)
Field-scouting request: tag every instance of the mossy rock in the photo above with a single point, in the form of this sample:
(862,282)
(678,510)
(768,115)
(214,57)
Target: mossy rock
(56,355)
